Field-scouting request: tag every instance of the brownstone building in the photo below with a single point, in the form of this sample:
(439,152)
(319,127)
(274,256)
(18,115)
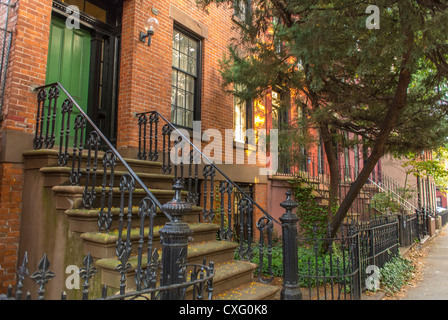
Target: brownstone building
(118,59)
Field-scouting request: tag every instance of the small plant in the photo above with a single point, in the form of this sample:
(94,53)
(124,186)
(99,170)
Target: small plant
(395,273)
(313,217)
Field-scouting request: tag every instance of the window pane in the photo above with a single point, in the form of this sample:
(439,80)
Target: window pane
(175,59)
(183,63)
(180,98)
(192,66)
(180,117)
(176,37)
(190,101)
(181,80)
(193,48)
(183,41)
(189,119)
(173,115)
(189,84)
(174,78)
(173,95)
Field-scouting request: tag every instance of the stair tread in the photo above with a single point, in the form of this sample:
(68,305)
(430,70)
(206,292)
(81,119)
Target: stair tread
(93,213)
(194,250)
(117,173)
(54,153)
(80,189)
(112,236)
(251,291)
(232,268)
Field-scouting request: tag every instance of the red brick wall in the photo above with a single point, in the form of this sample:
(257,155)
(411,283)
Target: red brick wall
(145,76)
(10,197)
(29,21)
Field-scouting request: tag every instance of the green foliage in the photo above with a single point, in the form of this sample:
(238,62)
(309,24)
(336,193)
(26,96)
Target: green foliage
(384,202)
(313,217)
(395,273)
(310,260)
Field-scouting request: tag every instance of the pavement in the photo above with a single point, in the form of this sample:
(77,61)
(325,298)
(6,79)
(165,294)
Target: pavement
(434,283)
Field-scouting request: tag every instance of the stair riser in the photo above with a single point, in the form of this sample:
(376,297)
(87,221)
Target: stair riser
(107,250)
(111,278)
(59,179)
(90,224)
(48,158)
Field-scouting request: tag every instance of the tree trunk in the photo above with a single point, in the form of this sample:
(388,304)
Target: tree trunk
(378,150)
(332,160)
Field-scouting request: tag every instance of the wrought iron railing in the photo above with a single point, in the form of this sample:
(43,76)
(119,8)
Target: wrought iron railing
(73,140)
(215,207)
(200,280)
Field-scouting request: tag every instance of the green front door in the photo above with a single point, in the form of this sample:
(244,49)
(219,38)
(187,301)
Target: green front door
(69,63)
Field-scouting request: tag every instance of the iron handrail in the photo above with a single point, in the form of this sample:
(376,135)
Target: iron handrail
(110,146)
(210,162)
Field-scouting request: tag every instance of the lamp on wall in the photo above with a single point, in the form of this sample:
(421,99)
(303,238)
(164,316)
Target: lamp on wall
(151,27)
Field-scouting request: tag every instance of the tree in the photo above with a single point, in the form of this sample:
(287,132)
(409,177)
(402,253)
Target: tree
(386,85)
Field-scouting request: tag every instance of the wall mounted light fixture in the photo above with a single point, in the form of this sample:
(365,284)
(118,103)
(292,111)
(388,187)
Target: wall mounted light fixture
(151,27)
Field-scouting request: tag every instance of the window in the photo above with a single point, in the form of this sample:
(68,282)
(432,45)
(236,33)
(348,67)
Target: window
(239,119)
(184,79)
(240,10)
(242,117)
(439,201)
(89,8)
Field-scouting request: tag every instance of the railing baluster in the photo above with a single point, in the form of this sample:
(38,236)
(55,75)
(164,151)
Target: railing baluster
(166,161)
(208,214)
(90,195)
(66,111)
(153,154)
(142,121)
(105,219)
(123,250)
(51,117)
(38,138)
(245,209)
(78,147)
(265,226)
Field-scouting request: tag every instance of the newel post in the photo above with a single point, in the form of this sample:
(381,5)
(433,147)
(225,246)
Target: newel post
(174,240)
(291,289)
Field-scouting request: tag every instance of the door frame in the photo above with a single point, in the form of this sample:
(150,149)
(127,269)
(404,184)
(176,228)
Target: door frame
(108,101)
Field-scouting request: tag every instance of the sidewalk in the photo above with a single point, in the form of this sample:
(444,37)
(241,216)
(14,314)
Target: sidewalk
(434,285)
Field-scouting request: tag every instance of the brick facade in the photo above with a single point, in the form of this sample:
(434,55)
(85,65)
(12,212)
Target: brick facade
(29,21)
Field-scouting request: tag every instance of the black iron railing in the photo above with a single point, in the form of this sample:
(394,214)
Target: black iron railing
(218,201)
(79,142)
(200,280)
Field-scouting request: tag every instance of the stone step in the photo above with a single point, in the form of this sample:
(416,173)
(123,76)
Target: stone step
(250,291)
(36,159)
(86,220)
(61,176)
(216,251)
(103,245)
(71,196)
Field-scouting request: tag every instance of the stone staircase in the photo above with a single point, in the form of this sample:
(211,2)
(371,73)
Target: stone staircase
(75,231)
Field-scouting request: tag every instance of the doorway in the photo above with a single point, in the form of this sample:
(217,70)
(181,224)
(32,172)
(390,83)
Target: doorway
(85,60)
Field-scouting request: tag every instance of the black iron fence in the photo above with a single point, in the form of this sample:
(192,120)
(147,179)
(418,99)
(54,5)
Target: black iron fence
(67,124)
(334,274)
(223,201)
(198,283)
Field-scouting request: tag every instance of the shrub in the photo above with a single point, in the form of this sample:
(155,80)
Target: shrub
(395,273)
